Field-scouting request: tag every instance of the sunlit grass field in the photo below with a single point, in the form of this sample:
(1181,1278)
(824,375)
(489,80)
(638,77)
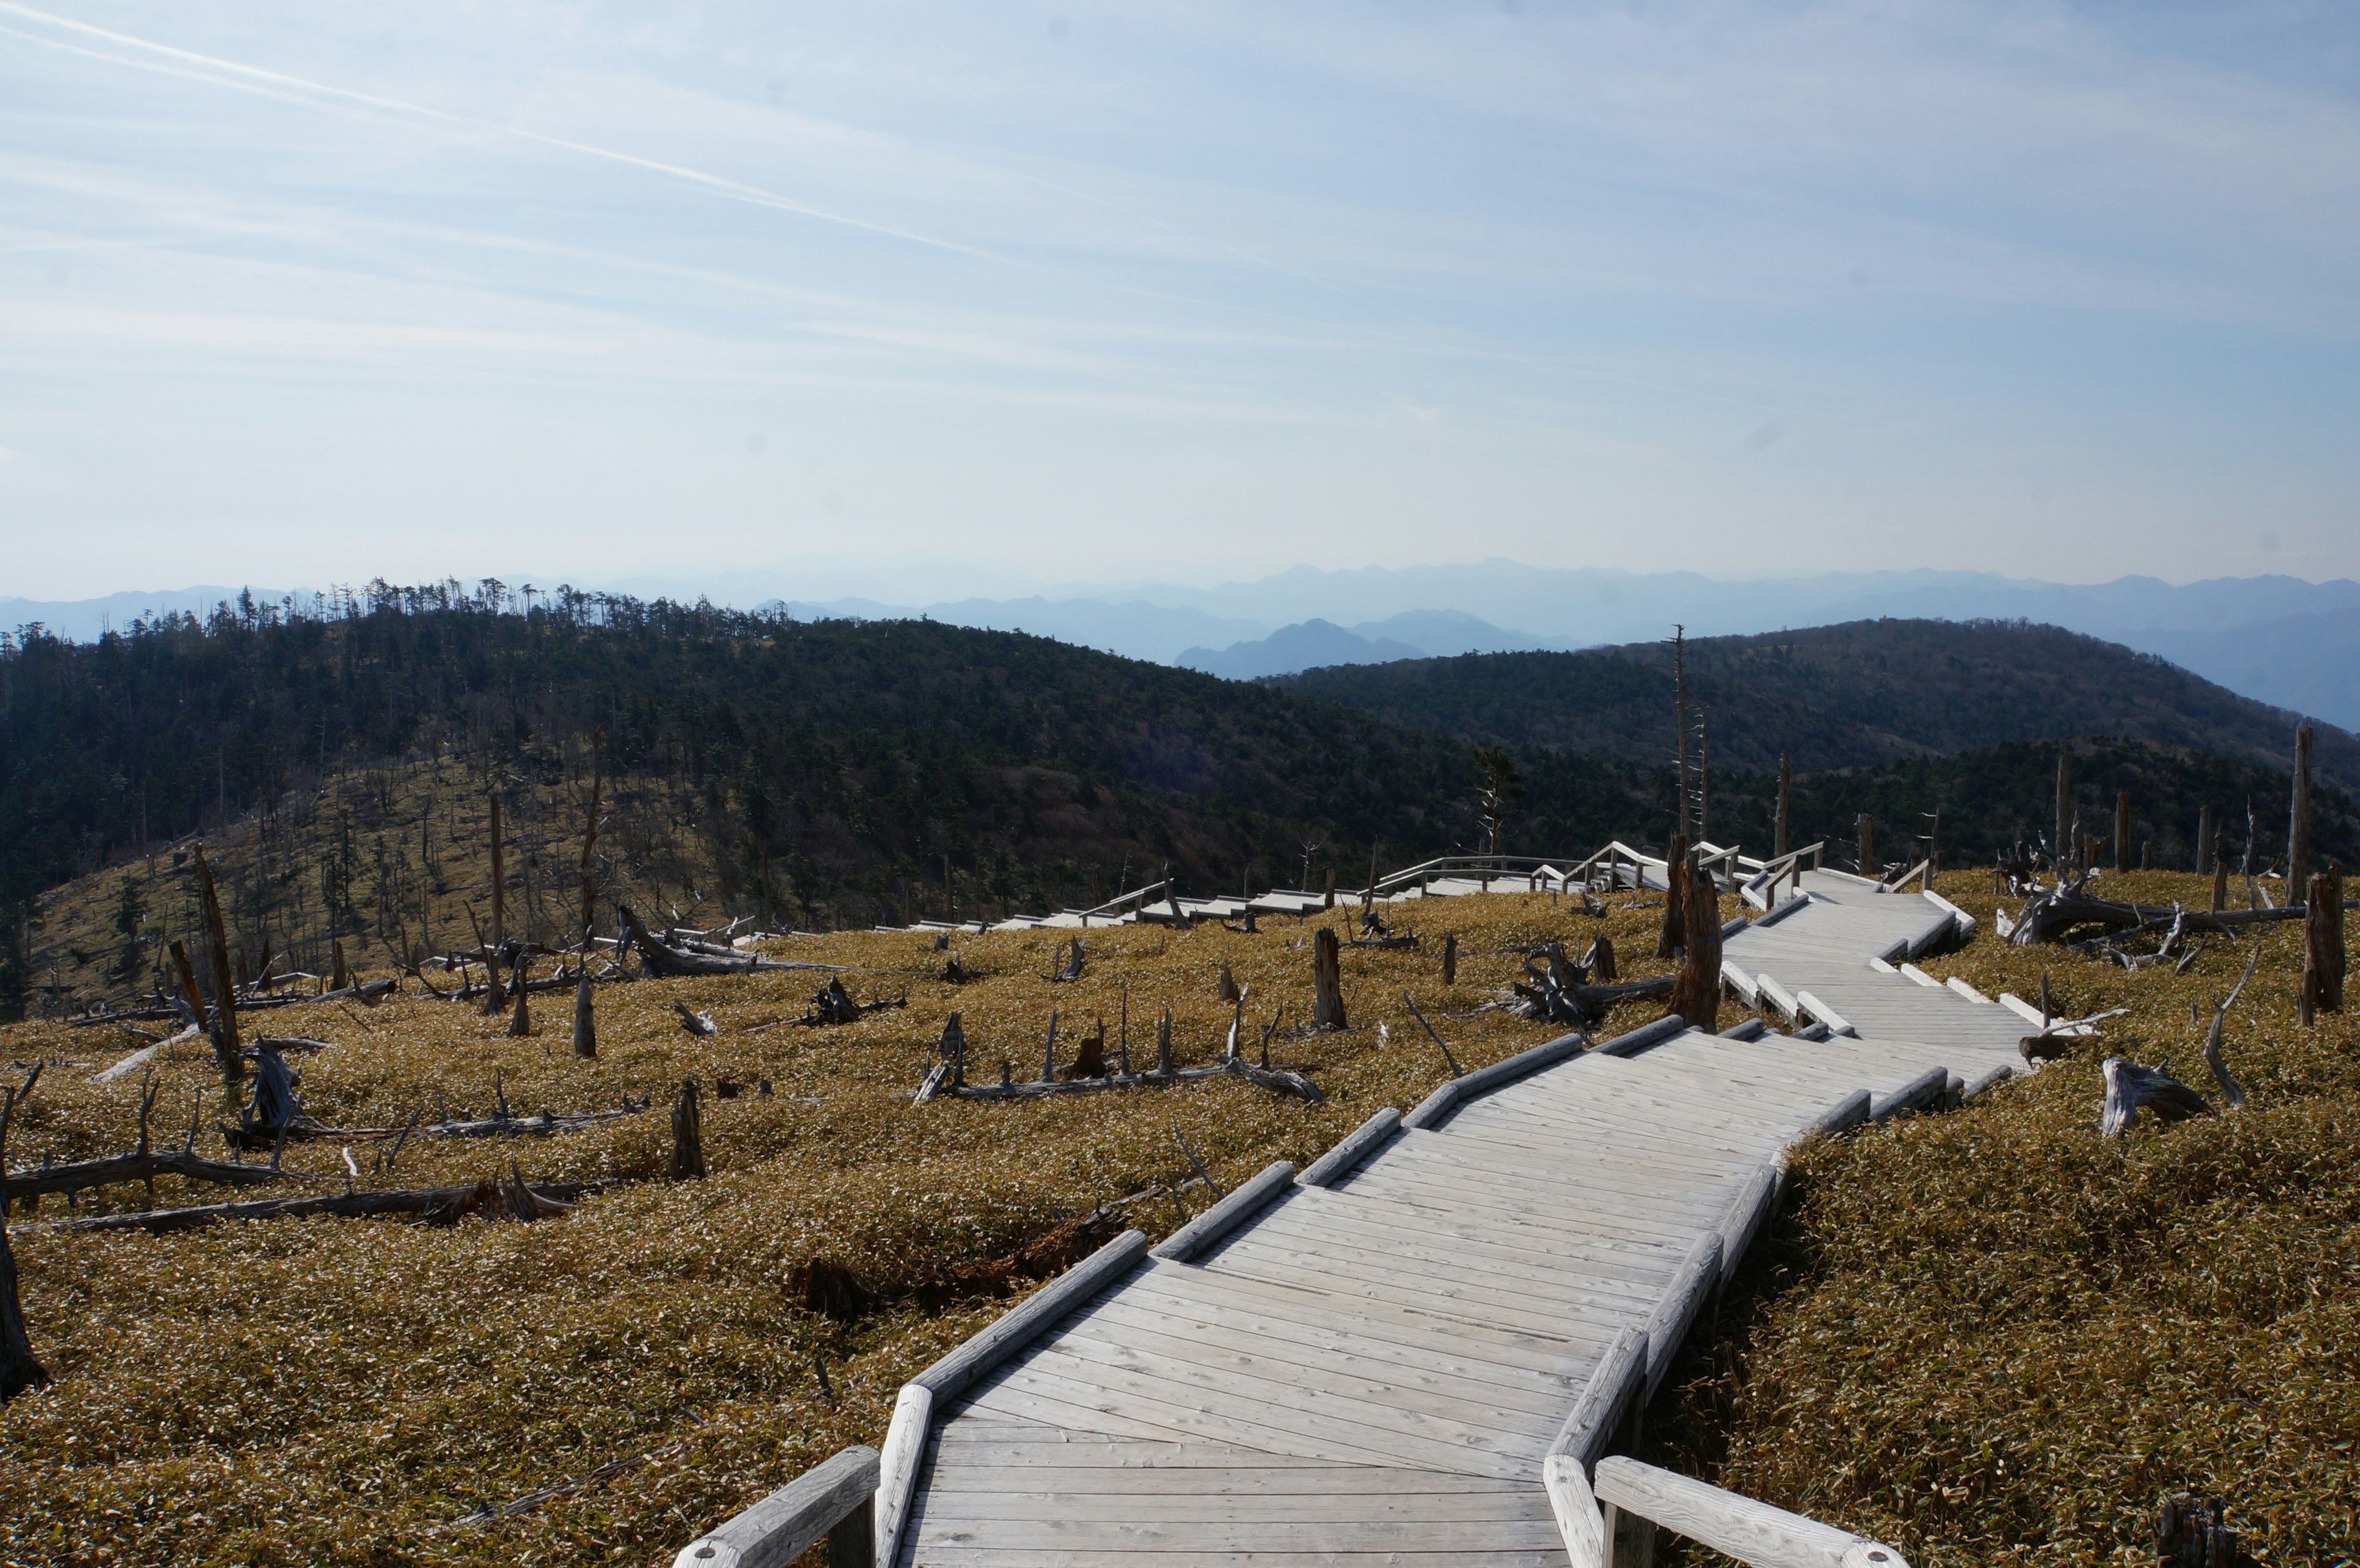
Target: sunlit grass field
(1982,1335)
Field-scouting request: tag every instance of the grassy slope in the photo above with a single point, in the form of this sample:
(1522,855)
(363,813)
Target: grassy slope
(1986,1337)
(334,1392)
(1995,1337)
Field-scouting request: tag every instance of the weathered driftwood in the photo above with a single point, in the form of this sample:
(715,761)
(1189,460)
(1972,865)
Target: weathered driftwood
(1557,989)
(832,1003)
(513,1199)
(368,992)
(699,1024)
(2132,1088)
(1071,969)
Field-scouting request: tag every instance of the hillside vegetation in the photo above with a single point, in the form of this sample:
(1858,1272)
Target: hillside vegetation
(1986,1336)
(1841,696)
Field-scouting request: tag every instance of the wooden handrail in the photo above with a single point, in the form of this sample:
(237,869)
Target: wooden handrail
(1752,1532)
(831,1499)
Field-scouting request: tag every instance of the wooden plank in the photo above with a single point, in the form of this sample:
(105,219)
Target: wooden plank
(1244,1507)
(1409,1407)
(1435,1364)
(1443,1301)
(1199,1538)
(1427,1263)
(1528,1245)
(1284,1478)
(1469,1554)
(1203,1407)
(1545,1354)
(1497,1290)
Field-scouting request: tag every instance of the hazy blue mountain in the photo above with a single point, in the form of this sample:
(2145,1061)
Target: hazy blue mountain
(83,620)
(2308,663)
(1443,633)
(1309,644)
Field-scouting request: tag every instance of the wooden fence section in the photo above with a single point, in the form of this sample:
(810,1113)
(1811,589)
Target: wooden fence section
(1419,1351)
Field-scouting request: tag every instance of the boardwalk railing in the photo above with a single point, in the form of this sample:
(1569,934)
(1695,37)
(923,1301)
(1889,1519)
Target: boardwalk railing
(1125,903)
(1761,889)
(833,1499)
(1589,1515)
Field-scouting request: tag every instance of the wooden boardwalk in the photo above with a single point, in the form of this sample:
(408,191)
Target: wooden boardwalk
(1370,1366)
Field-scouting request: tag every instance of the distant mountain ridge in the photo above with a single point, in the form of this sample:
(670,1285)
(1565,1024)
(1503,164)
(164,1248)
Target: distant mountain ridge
(2280,639)
(1856,694)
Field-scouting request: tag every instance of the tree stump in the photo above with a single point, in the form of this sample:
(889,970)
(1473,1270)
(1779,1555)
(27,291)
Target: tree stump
(520,1026)
(1327,980)
(2195,1533)
(1451,958)
(18,1370)
(687,1136)
(585,1024)
(2322,946)
(1696,993)
(1672,936)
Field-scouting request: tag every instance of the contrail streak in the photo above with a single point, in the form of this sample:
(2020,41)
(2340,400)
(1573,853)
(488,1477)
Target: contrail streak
(277,84)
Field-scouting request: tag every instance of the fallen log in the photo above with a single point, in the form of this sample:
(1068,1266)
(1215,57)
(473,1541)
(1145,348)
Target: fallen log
(1277,1080)
(546,1124)
(2048,916)
(433,1205)
(113,1170)
(671,963)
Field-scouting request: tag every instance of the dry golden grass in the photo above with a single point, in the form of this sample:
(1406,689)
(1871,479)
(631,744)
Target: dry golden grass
(341,1390)
(1993,1336)
(1986,1336)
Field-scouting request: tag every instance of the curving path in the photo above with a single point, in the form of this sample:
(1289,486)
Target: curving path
(1371,1365)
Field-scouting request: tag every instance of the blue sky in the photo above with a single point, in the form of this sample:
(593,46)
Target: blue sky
(308,293)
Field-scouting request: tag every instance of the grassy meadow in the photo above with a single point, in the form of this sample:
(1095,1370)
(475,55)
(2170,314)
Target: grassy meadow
(1984,1335)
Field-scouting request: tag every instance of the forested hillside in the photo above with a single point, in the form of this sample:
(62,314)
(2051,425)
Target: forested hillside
(1841,696)
(819,771)
(822,774)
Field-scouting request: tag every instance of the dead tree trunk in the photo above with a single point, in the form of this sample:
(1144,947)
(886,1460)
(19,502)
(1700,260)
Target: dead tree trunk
(1778,822)
(2203,839)
(1681,727)
(2122,832)
(18,1370)
(192,998)
(585,1024)
(2322,946)
(342,976)
(1867,825)
(2220,874)
(687,1136)
(520,1026)
(1451,958)
(1327,980)
(1696,993)
(589,872)
(2298,816)
(227,1053)
(2063,841)
(1671,937)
